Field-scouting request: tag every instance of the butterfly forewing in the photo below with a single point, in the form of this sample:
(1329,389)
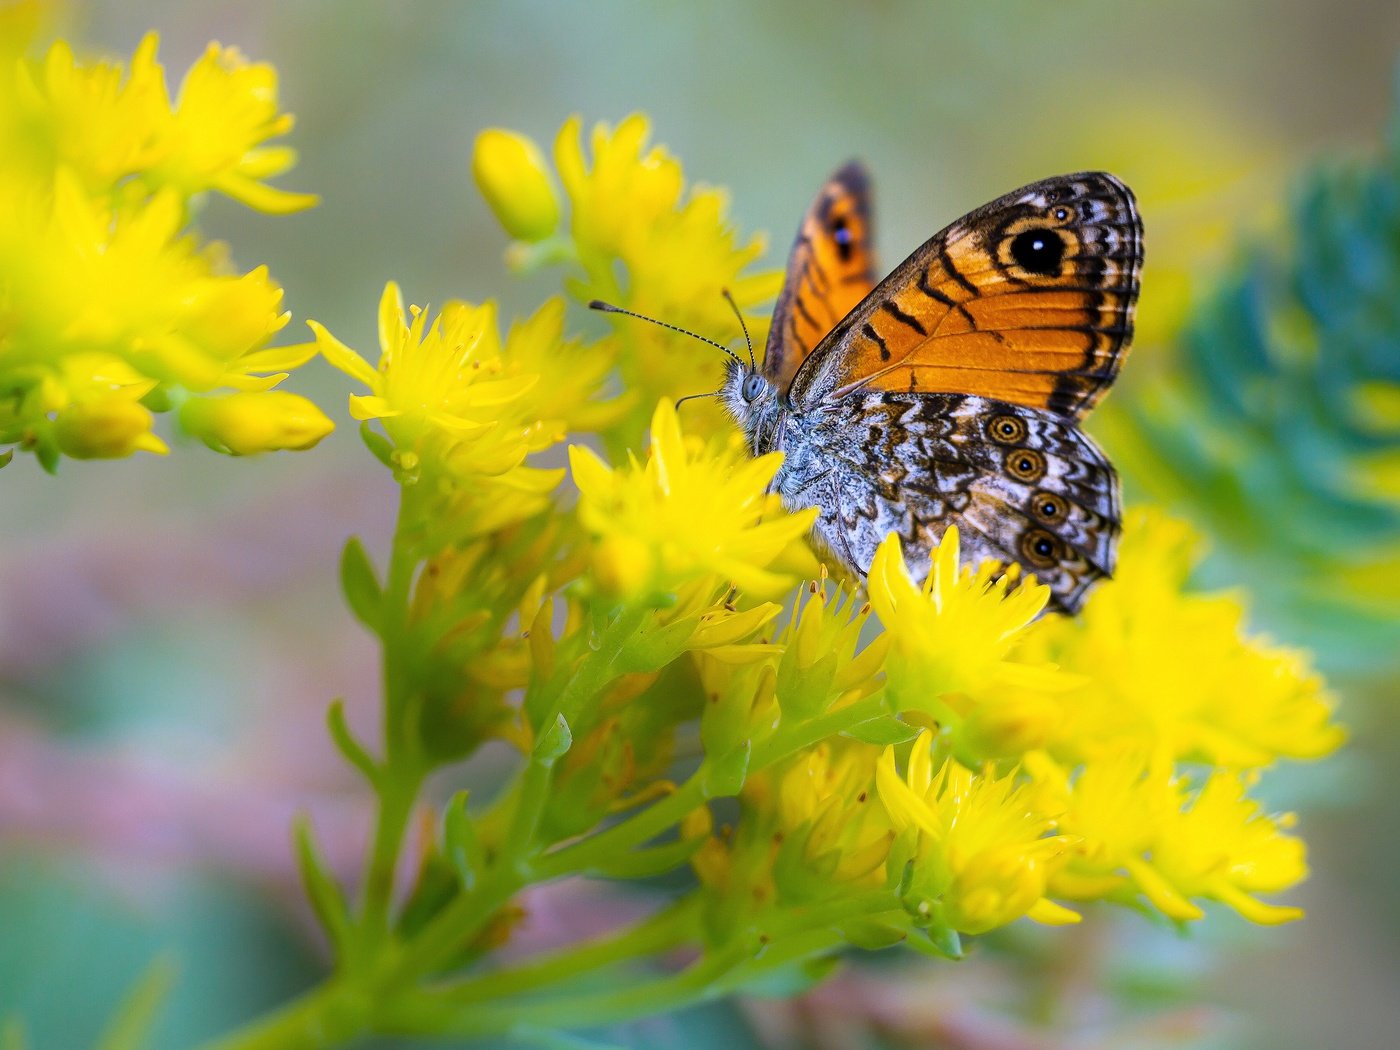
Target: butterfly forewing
(830,269)
(1027,300)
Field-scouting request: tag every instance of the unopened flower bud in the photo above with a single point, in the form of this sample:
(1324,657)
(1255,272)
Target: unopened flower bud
(106,430)
(247,423)
(511,174)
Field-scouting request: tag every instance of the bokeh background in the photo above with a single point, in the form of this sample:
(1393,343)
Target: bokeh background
(171,631)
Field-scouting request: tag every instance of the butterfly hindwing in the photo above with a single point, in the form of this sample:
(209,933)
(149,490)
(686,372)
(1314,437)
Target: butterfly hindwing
(1026,300)
(1021,484)
(830,269)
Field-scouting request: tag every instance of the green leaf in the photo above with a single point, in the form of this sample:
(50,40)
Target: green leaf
(460,844)
(361,585)
(647,863)
(883,731)
(46,452)
(937,941)
(322,890)
(379,446)
(345,741)
(724,775)
(131,1027)
(554,743)
(5,458)
(651,648)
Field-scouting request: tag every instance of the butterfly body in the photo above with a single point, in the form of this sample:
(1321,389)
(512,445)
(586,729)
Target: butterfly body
(951,392)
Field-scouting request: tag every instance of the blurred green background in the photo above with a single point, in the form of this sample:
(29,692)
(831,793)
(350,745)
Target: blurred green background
(170,629)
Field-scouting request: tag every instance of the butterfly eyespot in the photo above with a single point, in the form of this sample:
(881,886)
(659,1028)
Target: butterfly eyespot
(1039,548)
(841,233)
(1061,214)
(1007,429)
(1025,464)
(1049,507)
(1038,251)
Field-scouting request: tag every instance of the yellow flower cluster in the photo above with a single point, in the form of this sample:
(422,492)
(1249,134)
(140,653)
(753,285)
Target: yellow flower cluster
(1024,787)
(1044,757)
(637,238)
(461,410)
(114,308)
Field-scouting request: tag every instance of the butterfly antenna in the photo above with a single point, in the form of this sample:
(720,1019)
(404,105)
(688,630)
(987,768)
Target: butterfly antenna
(609,308)
(739,314)
(692,397)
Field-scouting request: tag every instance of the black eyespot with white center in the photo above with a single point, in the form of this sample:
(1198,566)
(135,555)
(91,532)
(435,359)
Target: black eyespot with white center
(1039,548)
(754,386)
(1006,430)
(1025,464)
(1038,251)
(1048,507)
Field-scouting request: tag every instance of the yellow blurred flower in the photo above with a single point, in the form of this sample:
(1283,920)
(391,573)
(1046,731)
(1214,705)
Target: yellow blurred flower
(1236,702)
(983,854)
(1136,824)
(106,124)
(642,241)
(110,299)
(692,510)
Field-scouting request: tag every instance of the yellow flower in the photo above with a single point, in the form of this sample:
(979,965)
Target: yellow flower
(1237,701)
(106,429)
(953,637)
(823,664)
(691,511)
(828,816)
(982,852)
(511,174)
(443,391)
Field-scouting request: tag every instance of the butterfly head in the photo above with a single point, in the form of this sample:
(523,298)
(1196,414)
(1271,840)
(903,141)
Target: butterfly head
(754,403)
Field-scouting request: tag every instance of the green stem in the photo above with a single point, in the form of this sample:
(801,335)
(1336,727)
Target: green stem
(514,868)
(398,791)
(665,930)
(329,1015)
(427,1014)
(401,776)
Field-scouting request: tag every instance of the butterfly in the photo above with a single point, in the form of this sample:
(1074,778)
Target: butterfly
(951,392)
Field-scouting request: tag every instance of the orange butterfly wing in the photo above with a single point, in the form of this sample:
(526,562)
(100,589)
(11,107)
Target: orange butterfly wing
(1028,299)
(830,269)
